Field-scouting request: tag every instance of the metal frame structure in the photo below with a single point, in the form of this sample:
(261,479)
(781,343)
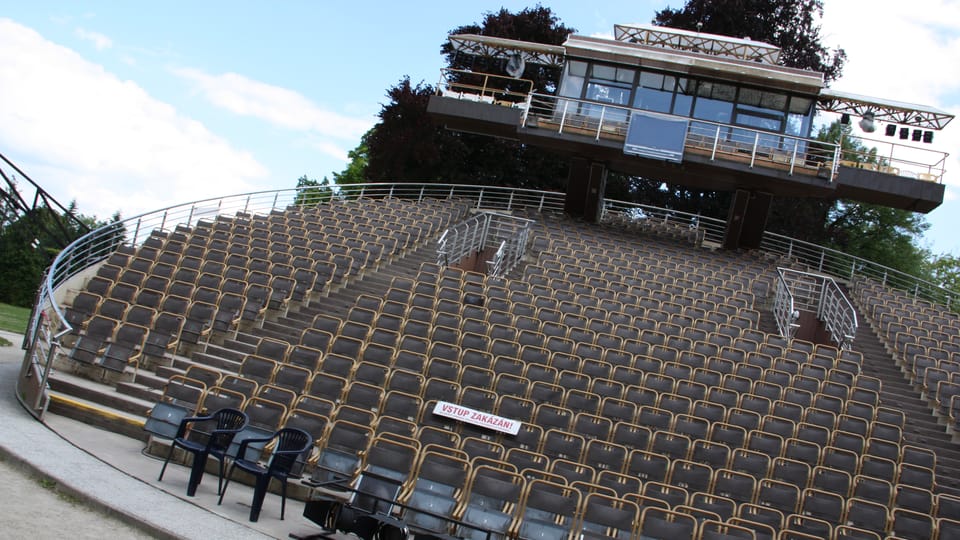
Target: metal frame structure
(895,112)
(496,47)
(797,290)
(697,42)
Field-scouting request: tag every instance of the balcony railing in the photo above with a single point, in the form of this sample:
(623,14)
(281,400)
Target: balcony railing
(897,159)
(713,140)
(484,87)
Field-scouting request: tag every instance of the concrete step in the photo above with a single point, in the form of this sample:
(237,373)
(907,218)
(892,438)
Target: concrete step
(922,427)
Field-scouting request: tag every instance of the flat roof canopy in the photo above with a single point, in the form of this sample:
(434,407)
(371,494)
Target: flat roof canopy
(887,110)
(534,53)
(698,42)
(731,69)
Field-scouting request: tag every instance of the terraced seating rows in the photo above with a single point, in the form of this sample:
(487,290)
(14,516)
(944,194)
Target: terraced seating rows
(638,371)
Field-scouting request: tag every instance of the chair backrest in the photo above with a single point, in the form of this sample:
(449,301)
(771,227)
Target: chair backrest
(291,444)
(229,422)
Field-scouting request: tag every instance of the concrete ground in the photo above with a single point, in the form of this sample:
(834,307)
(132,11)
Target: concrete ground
(65,478)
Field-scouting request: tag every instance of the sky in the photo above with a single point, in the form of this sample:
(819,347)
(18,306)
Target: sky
(136,106)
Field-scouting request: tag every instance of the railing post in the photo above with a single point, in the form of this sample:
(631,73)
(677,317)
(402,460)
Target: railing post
(793,158)
(603,111)
(510,201)
(753,154)
(420,197)
(563,117)
(716,142)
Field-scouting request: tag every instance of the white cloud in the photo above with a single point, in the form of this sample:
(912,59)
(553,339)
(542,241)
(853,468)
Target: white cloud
(99,40)
(276,105)
(86,135)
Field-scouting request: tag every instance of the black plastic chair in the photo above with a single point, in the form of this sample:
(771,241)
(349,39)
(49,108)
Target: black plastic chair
(228,422)
(291,443)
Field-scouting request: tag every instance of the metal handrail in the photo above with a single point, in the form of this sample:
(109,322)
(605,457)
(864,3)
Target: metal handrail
(764,148)
(784,312)
(897,159)
(717,140)
(492,88)
(819,294)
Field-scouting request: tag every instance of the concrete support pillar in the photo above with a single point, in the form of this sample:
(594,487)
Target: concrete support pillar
(747,219)
(586,184)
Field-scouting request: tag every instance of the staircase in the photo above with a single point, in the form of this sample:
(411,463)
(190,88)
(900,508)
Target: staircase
(921,426)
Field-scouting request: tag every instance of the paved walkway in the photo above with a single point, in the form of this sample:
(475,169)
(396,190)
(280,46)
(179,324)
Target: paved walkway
(74,480)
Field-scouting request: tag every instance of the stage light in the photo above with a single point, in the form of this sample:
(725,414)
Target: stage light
(904,133)
(867,123)
(917,135)
(845,119)
(928,137)
(891,130)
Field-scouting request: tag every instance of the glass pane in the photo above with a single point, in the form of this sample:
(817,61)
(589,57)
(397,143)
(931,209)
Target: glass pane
(726,92)
(577,68)
(604,72)
(800,105)
(749,96)
(625,75)
(773,100)
(650,99)
(605,93)
(713,110)
(571,87)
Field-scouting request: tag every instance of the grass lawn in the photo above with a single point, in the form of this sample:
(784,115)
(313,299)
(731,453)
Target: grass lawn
(13,318)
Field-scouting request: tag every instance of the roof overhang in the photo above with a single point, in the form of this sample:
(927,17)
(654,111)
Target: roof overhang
(497,47)
(885,110)
(683,62)
(697,42)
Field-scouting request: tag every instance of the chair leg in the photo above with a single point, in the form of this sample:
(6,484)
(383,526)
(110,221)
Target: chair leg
(259,492)
(225,484)
(169,455)
(283,497)
(196,472)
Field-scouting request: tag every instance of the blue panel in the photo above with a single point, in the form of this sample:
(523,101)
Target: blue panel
(656,136)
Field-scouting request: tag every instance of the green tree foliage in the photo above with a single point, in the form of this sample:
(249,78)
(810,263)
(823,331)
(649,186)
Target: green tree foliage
(887,236)
(28,247)
(354,173)
(408,146)
(312,192)
(944,270)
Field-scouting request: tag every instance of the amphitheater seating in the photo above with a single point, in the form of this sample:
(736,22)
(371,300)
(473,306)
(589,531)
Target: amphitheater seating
(651,402)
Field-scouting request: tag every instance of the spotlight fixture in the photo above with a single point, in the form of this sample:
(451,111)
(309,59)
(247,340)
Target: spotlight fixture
(917,135)
(928,137)
(844,118)
(904,133)
(867,123)
(891,130)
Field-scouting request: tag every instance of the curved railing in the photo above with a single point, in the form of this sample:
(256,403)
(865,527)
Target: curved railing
(48,324)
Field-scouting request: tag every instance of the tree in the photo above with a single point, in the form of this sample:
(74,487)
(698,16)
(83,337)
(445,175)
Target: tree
(538,25)
(354,173)
(408,146)
(27,249)
(312,192)
(944,270)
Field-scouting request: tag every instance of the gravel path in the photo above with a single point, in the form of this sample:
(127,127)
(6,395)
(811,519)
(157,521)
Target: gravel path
(33,508)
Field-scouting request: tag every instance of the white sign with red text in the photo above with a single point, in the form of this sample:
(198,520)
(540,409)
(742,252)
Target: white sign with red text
(477,418)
